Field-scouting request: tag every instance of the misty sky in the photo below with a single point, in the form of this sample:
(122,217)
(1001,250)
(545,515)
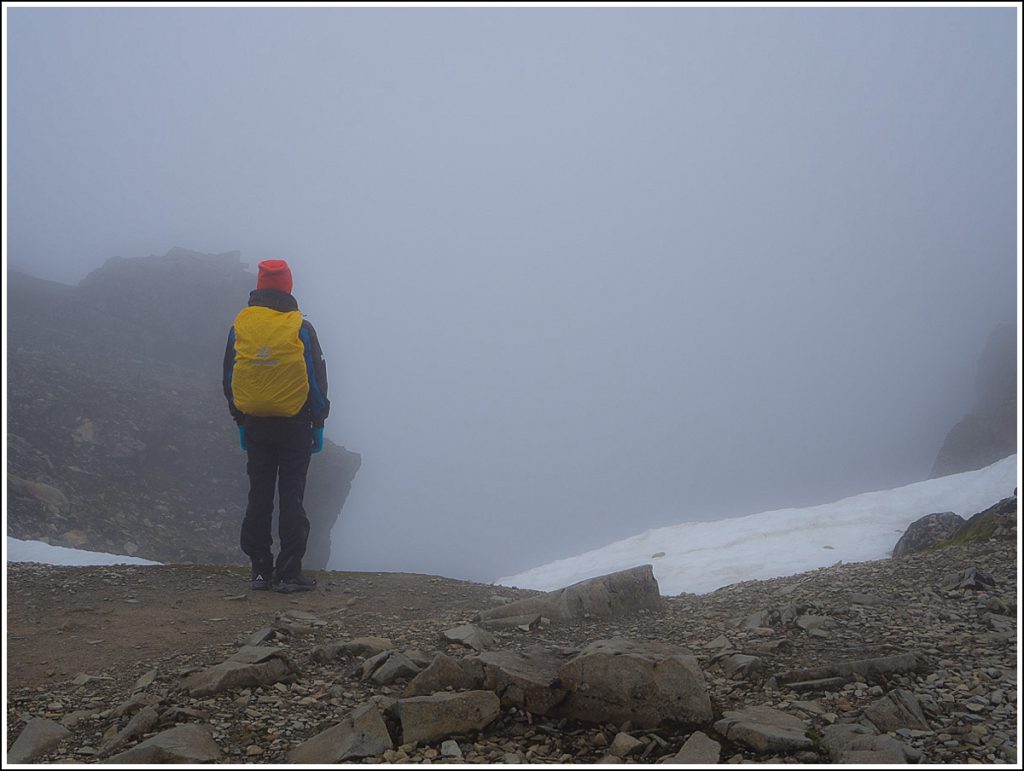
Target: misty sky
(577,272)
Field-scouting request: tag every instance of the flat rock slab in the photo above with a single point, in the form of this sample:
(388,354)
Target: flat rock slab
(861,745)
(764,729)
(251,667)
(38,737)
(188,743)
(615,594)
(469,635)
(361,646)
(648,683)
(870,669)
(362,734)
(431,718)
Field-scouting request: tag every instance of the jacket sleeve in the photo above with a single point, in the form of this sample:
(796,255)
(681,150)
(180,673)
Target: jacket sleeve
(316,371)
(229,368)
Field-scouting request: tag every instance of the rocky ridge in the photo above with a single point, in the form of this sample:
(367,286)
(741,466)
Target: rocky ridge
(900,660)
(119,438)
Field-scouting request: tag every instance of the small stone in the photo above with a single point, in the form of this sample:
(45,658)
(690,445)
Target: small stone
(451,749)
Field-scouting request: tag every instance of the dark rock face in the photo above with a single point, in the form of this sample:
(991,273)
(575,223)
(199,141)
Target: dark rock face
(926,532)
(989,432)
(119,438)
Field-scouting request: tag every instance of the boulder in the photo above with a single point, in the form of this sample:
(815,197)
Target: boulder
(184,744)
(764,729)
(362,734)
(361,646)
(739,666)
(251,667)
(851,743)
(647,683)
(971,578)
(430,718)
(926,532)
(897,709)
(528,680)
(612,595)
(442,672)
(38,737)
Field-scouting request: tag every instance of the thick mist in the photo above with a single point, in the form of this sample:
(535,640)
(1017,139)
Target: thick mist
(577,272)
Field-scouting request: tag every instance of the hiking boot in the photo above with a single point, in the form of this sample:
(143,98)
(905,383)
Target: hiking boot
(259,582)
(295,584)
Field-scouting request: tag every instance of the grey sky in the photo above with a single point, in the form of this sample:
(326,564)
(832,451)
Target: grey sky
(577,272)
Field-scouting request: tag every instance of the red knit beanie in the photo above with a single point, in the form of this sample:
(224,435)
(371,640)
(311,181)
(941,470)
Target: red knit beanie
(275,274)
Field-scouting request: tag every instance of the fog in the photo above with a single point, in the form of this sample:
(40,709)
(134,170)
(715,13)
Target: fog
(577,272)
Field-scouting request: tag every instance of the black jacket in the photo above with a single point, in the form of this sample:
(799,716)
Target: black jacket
(317,405)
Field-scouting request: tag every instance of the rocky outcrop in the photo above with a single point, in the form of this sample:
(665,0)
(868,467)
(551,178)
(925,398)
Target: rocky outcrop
(926,532)
(997,521)
(615,594)
(919,666)
(989,432)
(119,438)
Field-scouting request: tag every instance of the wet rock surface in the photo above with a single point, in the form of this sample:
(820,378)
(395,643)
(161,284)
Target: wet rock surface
(919,665)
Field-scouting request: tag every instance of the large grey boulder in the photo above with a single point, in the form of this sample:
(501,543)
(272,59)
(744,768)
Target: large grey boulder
(648,683)
(38,737)
(251,667)
(431,718)
(764,729)
(528,680)
(615,594)
(443,672)
(362,734)
(927,531)
(183,744)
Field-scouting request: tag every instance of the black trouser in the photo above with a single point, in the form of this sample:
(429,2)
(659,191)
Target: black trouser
(279,452)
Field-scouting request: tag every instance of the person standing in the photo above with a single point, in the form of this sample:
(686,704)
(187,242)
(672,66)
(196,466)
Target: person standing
(275,381)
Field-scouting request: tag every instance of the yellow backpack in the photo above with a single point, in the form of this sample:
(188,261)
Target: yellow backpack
(269,378)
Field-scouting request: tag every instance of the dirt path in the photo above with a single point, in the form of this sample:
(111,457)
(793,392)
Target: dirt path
(64,621)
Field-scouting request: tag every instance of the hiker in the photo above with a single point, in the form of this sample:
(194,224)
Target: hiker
(275,381)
